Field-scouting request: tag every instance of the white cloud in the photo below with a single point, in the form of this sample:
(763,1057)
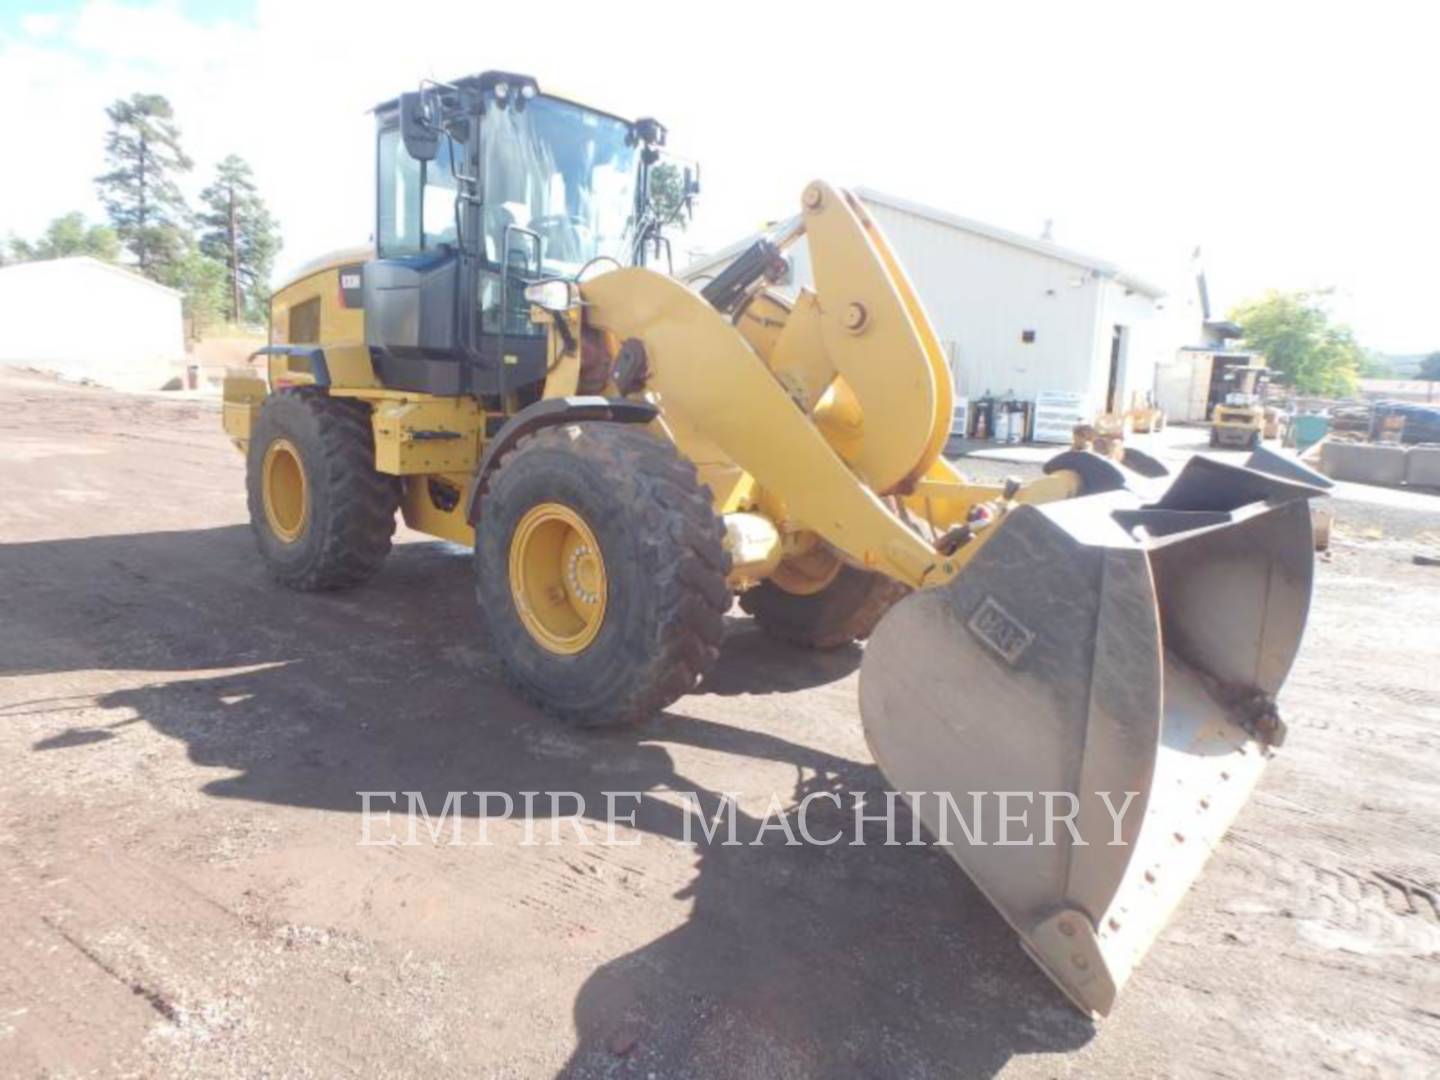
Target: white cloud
(40,25)
(1292,140)
(157,35)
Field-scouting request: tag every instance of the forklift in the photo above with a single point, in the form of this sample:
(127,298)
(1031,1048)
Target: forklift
(1238,421)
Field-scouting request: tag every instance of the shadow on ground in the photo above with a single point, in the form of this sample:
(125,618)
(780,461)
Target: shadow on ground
(794,961)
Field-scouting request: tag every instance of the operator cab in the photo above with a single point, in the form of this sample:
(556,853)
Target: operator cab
(485,186)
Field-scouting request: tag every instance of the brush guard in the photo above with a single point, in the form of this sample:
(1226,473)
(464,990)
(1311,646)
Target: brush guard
(1127,641)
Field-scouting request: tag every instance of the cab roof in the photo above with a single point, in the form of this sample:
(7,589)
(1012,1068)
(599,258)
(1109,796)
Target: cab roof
(484,80)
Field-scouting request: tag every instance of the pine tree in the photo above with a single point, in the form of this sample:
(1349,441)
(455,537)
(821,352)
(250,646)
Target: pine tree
(139,192)
(239,232)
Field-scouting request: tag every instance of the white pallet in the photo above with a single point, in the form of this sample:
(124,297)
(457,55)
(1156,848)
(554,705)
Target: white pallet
(1057,413)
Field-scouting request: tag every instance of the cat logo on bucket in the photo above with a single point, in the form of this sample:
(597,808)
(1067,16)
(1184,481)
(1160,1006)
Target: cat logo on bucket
(997,628)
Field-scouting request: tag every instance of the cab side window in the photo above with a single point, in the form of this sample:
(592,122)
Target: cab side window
(399,188)
(438,217)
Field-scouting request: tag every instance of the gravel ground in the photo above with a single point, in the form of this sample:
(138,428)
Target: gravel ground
(186,892)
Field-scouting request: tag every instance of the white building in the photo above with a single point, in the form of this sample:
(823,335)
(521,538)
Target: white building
(86,319)
(1018,316)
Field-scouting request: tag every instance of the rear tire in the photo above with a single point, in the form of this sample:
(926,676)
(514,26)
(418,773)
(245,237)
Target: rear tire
(321,514)
(660,584)
(845,610)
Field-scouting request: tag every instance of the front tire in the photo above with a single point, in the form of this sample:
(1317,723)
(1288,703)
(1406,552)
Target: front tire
(600,573)
(322,516)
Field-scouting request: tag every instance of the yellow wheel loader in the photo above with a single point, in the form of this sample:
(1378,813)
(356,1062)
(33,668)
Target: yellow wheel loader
(625,455)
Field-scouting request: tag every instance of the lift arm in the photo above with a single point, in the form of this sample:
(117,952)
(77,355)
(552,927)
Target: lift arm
(841,416)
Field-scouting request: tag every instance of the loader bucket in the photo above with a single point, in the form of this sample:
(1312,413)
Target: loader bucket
(1131,641)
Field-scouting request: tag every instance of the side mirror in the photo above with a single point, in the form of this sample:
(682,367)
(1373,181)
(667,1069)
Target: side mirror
(421,138)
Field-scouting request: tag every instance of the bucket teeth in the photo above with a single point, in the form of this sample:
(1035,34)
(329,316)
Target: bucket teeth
(1287,468)
(1210,484)
(1125,650)
(1262,719)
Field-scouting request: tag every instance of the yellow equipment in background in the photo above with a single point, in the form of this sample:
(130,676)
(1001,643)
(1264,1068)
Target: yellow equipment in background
(625,456)
(1146,417)
(1240,420)
(1143,417)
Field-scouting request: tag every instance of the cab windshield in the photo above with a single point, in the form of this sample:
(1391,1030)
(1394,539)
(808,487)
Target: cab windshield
(566,174)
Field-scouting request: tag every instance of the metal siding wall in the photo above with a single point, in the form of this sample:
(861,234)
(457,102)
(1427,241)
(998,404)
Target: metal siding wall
(981,294)
(1147,340)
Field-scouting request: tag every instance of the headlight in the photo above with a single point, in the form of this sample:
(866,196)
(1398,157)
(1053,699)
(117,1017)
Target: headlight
(553,295)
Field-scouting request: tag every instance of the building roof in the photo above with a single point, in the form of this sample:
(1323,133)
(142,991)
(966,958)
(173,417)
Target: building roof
(1004,236)
(87,262)
(1106,269)
(1220,350)
(1224,328)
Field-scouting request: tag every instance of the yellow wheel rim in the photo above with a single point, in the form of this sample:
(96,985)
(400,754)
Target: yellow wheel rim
(287,503)
(557,578)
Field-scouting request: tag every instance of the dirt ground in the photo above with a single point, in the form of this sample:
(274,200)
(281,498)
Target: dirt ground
(185,891)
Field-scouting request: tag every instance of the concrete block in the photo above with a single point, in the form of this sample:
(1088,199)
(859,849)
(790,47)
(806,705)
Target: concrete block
(1422,466)
(1363,463)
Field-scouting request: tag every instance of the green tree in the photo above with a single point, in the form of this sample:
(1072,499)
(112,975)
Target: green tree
(667,194)
(239,233)
(140,192)
(202,283)
(1430,367)
(67,236)
(1299,340)
(1373,365)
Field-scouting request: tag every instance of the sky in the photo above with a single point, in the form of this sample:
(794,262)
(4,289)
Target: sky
(1294,143)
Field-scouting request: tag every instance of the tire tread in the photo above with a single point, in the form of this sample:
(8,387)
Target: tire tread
(682,560)
(353,539)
